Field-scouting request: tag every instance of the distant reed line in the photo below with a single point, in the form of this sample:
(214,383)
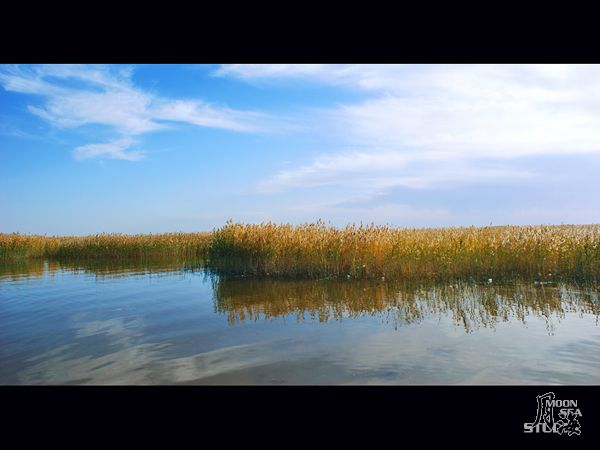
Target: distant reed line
(104,246)
(354,252)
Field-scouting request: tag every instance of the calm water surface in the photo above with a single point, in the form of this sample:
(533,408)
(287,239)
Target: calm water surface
(167,324)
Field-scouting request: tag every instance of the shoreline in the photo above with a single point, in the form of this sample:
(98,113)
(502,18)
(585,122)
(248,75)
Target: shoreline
(314,251)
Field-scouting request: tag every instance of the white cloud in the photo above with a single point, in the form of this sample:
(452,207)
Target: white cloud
(379,171)
(364,76)
(73,96)
(205,115)
(450,127)
(498,111)
(435,126)
(253,71)
(113,150)
(124,111)
(331,169)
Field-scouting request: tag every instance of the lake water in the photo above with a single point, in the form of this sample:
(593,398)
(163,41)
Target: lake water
(167,323)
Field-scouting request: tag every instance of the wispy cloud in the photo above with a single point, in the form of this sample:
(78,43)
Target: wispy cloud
(379,171)
(72,96)
(205,115)
(458,111)
(113,150)
(331,169)
(6,129)
(364,76)
(438,126)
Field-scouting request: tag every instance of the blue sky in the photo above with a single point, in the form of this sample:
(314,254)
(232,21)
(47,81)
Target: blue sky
(157,148)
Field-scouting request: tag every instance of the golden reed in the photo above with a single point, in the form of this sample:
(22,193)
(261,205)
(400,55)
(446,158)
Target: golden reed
(369,251)
(356,251)
(104,246)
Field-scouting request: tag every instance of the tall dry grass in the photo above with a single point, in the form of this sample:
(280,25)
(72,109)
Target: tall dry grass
(356,251)
(368,251)
(104,246)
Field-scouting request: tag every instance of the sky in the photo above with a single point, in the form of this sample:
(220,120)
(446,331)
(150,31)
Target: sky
(165,148)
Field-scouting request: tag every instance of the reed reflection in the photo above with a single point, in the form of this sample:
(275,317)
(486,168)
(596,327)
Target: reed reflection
(101,268)
(469,305)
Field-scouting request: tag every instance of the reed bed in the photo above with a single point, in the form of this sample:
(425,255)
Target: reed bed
(104,246)
(381,252)
(319,251)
